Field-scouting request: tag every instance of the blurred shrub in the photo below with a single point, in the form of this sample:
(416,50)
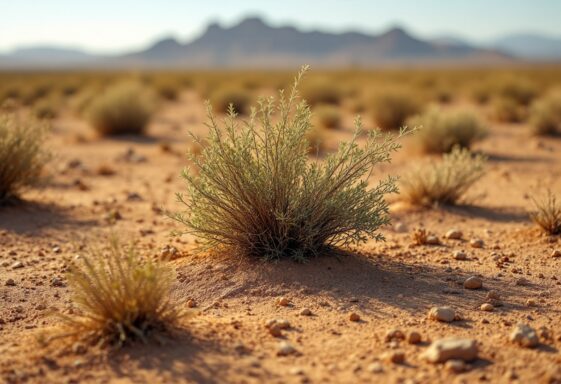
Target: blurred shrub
(321,91)
(507,110)
(328,116)
(441,131)
(545,115)
(238,97)
(392,108)
(547,213)
(520,91)
(124,108)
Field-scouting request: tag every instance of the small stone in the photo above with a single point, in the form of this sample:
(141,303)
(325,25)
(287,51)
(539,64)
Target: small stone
(525,336)
(460,255)
(432,240)
(414,337)
(456,366)
(10,283)
(375,368)
(56,249)
(306,312)
(556,253)
(285,349)
(531,303)
(522,281)
(473,282)
(454,234)
(444,314)
(440,351)
(399,227)
(169,252)
(487,307)
(283,302)
(275,330)
(476,243)
(394,335)
(17,265)
(191,303)
(353,316)
(396,357)
(493,295)
(56,282)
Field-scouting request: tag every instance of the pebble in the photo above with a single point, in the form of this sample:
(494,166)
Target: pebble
(191,303)
(444,314)
(432,240)
(17,265)
(454,234)
(285,349)
(456,366)
(487,307)
(531,303)
(473,282)
(556,253)
(460,255)
(375,368)
(476,243)
(394,335)
(414,337)
(440,351)
(522,281)
(400,227)
(525,336)
(283,302)
(56,282)
(396,357)
(10,283)
(353,316)
(306,312)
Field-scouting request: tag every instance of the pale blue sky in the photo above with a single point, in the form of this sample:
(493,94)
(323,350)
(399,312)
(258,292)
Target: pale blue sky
(114,25)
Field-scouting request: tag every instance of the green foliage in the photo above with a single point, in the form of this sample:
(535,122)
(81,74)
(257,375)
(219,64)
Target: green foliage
(547,213)
(124,108)
(441,131)
(391,109)
(120,298)
(442,182)
(545,115)
(21,154)
(254,188)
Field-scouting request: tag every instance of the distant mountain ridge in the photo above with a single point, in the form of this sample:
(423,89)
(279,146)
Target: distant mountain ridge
(252,43)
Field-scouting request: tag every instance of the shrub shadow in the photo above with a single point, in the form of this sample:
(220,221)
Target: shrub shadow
(502,214)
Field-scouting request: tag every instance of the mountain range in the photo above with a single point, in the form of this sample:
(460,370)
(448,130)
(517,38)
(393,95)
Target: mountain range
(252,43)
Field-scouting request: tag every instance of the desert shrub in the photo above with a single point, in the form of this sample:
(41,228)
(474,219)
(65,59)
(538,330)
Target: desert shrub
(442,182)
(124,108)
(167,89)
(481,93)
(321,91)
(508,110)
(223,97)
(316,137)
(392,108)
(328,116)
(522,92)
(443,95)
(545,115)
(21,155)
(254,189)
(547,213)
(119,297)
(34,92)
(441,131)
(47,107)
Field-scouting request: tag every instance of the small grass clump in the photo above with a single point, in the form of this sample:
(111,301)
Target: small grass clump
(124,108)
(119,297)
(21,155)
(520,91)
(545,115)
(254,189)
(328,116)
(392,108)
(547,213)
(441,131)
(239,98)
(322,91)
(507,110)
(443,182)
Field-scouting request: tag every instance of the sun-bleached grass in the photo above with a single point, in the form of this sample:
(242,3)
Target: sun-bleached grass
(123,108)
(442,182)
(22,156)
(443,130)
(547,212)
(254,188)
(119,297)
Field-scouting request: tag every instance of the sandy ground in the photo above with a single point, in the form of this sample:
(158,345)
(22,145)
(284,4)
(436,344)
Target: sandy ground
(390,285)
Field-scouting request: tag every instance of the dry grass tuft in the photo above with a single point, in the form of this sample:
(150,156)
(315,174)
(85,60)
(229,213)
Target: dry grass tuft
(328,116)
(322,91)
(392,108)
(124,108)
(119,297)
(443,182)
(254,188)
(547,213)
(21,154)
(507,110)
(545,115)
(239,98)
(442,131)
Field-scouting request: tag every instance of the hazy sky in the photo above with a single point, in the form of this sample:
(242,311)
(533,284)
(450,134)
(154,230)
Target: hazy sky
(114,25)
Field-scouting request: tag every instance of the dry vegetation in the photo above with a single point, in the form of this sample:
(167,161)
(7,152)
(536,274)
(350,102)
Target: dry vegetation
(547,213)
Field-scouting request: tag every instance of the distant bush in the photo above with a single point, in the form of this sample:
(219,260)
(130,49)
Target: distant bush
(254,189)
(328,116)
(545,115)
(321,91)
(507,110)
(522,92)
(223,97)
(47,107)
(441,131)
(21,155)
(481,93)
(442,182)
(392,108)
(547,213)
(120,298)
(167,89)
(443,95)
(124,108)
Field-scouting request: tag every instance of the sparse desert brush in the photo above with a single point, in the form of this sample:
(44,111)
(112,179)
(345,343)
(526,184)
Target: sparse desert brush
(239,98)
(328,116)
(167,89)
(254,189)
(442,182)
(321,91)
(519,90)
(21,154)
(392,108)
(119,297)
(443,95)
(481,93)
(124,108)
(547,213)
(47,107)
(507,110)
(545,115)
(442,130)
